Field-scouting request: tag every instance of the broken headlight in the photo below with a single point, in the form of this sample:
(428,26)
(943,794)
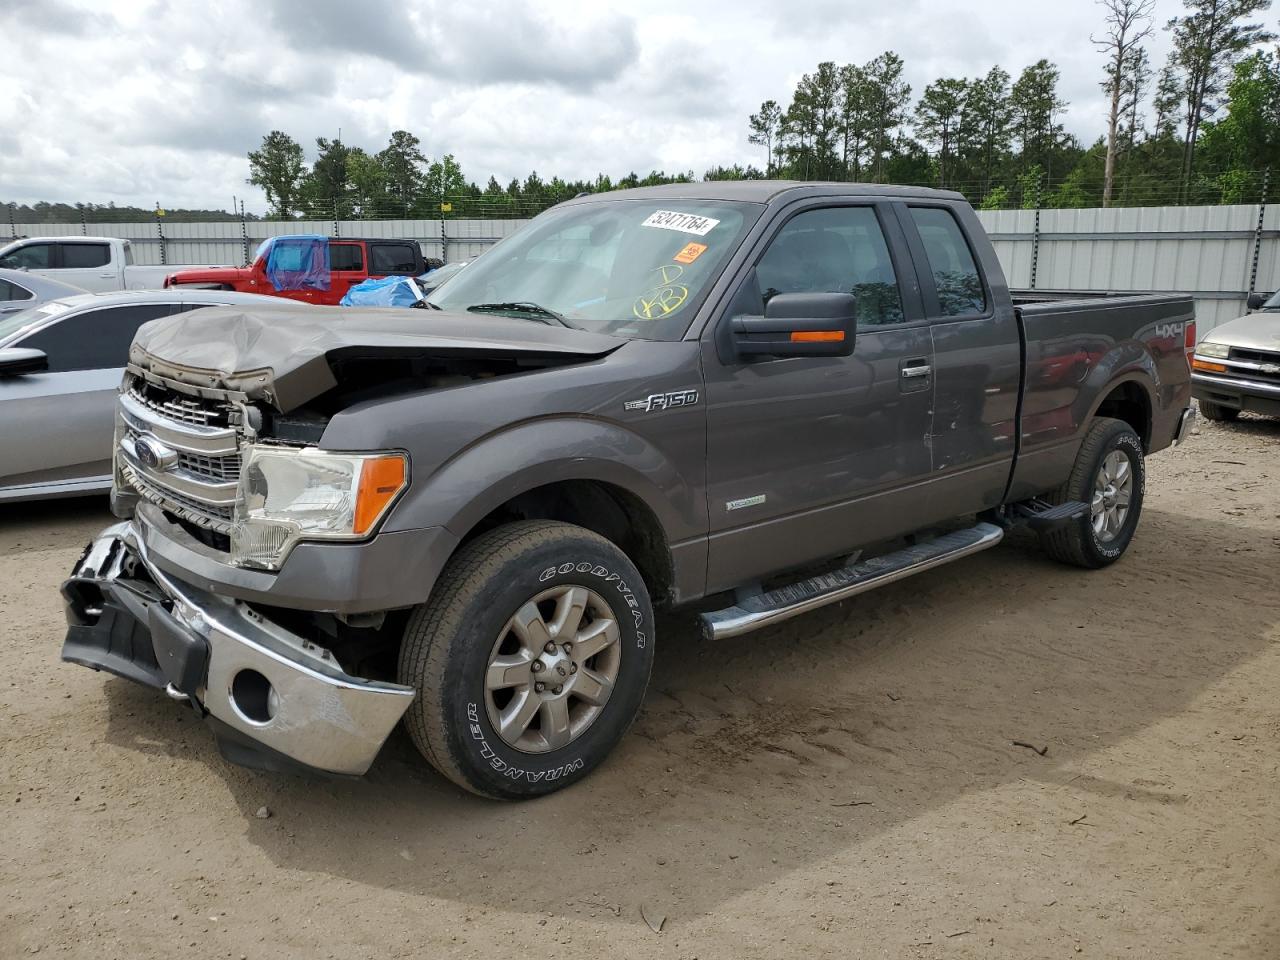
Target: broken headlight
(288,495)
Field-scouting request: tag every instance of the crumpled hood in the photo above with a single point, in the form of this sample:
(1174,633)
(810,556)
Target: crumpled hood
(1254,331)
(281,354)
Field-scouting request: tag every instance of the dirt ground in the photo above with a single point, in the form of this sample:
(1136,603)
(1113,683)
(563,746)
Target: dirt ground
(844,785)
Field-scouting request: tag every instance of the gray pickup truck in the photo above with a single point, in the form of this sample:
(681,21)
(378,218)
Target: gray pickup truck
(762,396)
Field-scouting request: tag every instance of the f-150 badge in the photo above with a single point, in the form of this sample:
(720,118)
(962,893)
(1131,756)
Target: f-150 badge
(663,401)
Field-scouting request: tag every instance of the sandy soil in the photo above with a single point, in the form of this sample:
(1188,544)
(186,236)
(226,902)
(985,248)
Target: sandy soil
(841,786)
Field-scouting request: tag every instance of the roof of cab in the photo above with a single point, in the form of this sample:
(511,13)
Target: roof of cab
(765,191)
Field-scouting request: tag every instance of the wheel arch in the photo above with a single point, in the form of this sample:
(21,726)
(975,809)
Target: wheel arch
(1129,399)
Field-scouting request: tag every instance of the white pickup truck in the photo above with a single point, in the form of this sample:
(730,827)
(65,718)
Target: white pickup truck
(96,264)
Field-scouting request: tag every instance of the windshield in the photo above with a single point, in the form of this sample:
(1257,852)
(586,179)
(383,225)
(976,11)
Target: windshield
(631,268)
(16,323)
(1273,303)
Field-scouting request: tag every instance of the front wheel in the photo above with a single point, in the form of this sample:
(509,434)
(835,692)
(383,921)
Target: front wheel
(1216,411)
(530,660)
(1110,475)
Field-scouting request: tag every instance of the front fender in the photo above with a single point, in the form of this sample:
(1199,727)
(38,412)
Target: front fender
(533,453)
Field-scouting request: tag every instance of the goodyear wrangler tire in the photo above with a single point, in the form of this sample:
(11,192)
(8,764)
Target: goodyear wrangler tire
(1110,474)
(530,660)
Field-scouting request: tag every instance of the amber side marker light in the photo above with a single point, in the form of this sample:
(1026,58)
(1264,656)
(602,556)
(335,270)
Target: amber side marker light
(817,336)
(1205,365)
(381,479)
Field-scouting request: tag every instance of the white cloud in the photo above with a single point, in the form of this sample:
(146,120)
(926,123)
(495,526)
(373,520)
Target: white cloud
(138,103)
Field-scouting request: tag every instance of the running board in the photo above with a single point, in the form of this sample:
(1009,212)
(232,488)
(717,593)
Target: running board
(775,606)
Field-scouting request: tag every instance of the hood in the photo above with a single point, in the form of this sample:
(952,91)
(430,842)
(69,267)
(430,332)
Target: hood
(1256,331)
(284,354)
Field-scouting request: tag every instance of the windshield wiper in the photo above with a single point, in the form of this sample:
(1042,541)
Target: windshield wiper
(525,308)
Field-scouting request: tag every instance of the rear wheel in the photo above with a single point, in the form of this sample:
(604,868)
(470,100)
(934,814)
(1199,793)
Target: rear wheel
(1110,475)
(1216,411)
(530,659)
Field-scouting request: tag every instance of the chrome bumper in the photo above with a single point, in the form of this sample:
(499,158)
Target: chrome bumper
(267,684)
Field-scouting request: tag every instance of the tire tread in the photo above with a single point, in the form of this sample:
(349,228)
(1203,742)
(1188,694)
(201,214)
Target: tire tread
(1066,544)
(424,650)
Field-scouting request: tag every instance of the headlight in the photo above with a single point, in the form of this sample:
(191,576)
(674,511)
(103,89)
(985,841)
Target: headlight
(1219,350)
(289,495)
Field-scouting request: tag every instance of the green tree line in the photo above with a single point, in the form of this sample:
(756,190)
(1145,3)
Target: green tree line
(1203,130)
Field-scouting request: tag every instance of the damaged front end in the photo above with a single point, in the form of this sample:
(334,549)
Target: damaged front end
(275,700)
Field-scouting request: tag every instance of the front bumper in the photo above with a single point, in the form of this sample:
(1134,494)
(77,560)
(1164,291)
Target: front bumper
(1240,394)
(276,699)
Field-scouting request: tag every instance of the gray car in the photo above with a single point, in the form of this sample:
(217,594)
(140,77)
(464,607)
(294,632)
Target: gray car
(20,290)
(60,369)
(1237,365)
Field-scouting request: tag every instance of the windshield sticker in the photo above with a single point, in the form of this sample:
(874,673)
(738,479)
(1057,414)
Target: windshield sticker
(684,222)
(690,253)
(664,297)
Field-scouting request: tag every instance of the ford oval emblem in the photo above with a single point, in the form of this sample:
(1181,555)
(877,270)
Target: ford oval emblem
(153,454)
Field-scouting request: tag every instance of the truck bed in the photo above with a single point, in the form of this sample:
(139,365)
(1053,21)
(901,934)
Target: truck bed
(1078,344)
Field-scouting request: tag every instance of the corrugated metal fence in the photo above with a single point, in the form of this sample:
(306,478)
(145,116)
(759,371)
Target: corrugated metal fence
(233,242)
(1219,254)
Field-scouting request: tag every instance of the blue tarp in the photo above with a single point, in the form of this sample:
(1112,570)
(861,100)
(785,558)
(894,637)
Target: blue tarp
(386,292)
(297,262)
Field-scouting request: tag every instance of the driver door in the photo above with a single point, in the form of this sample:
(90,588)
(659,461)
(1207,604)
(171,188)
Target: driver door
(811,457)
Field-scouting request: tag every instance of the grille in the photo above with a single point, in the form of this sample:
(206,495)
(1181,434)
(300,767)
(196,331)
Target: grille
(211,515)
(176,406)
(1256,356)
(180,452)
(213,469)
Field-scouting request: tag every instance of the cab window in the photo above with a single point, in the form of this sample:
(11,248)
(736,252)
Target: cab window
(346,256)
(85,256)
(34,256)
(955,274)
(834,250)
(388,258)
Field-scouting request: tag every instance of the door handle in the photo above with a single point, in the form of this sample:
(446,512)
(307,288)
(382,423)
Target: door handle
(106,276)
(922,370)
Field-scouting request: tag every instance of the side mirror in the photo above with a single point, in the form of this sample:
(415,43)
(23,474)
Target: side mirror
(1256,300)
(15,361)
(799,325)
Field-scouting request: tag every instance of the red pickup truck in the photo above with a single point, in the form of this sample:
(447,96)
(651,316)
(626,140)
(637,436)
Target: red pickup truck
(309,268)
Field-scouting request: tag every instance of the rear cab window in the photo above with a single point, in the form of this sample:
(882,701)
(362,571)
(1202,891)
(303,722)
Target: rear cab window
(85,256)
(955,272)
(392,258)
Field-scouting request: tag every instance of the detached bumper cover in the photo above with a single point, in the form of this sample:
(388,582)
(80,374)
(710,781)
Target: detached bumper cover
(129,618)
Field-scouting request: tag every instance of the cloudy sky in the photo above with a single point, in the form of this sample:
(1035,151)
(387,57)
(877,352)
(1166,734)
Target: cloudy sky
(143,102)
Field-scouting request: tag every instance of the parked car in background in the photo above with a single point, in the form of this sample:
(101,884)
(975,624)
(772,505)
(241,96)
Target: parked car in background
(21,290)
(1237,365)
(312,269)
(434,278)
(96,264)
(60,370)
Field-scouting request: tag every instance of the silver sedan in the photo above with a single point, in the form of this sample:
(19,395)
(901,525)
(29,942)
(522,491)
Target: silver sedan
(20,290)
(60,367)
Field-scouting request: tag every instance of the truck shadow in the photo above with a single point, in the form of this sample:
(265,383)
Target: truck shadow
(773,752)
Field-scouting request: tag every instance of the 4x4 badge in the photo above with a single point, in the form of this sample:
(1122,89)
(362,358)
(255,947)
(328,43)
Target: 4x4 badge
(663,401)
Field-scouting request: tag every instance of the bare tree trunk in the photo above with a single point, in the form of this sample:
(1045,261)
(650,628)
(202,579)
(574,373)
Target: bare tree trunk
(1109,174)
